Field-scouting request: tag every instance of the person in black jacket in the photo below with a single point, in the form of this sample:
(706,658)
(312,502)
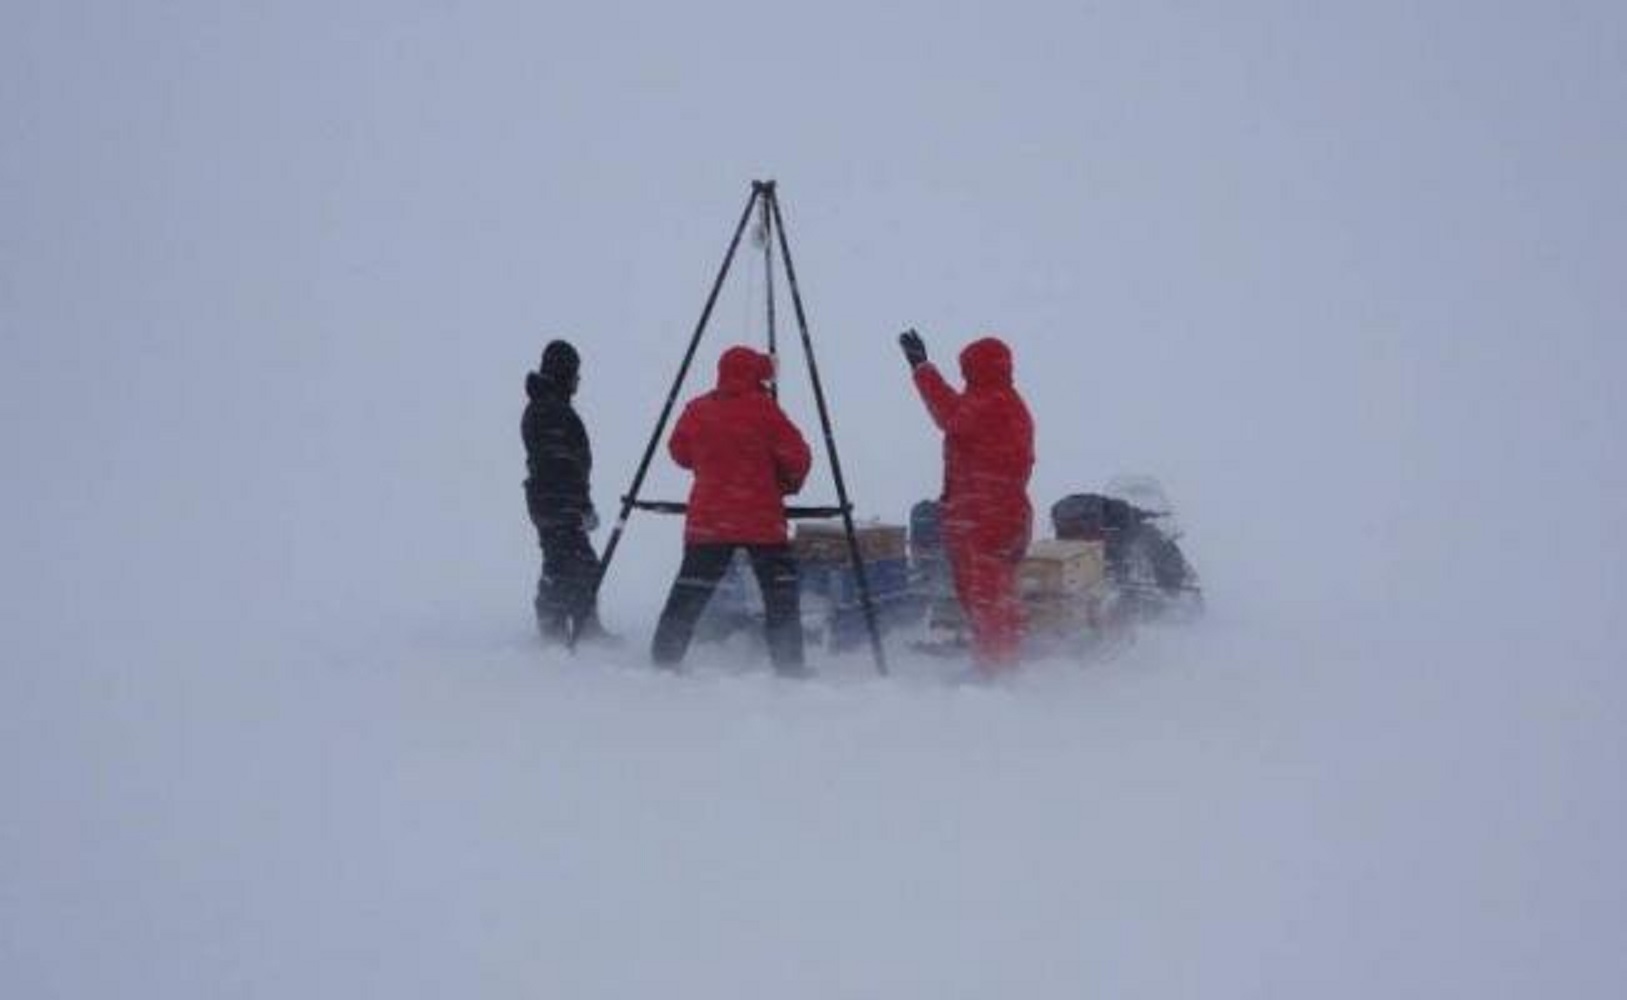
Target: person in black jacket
(559,462)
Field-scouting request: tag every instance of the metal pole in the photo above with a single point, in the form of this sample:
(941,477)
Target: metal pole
(631,497)
(830,440)
(768,283)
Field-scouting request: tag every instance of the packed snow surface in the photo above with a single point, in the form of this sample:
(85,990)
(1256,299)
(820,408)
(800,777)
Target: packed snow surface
(1239,810)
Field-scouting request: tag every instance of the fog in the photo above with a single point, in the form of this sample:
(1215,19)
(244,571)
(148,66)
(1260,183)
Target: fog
(274,721)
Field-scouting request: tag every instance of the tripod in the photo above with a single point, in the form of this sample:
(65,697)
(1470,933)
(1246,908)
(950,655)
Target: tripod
(766,203)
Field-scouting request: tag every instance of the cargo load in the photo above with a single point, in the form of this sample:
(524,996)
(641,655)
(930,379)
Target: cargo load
(1116,563)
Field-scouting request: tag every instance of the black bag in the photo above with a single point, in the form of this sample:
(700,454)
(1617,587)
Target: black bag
(1092,517)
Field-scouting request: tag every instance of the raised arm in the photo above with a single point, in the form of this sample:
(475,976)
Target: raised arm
(942,401)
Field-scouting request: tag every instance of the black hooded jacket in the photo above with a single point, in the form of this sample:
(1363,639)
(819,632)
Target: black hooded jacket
(557,457)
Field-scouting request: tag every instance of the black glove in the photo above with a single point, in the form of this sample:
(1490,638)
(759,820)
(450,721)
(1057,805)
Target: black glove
(914,350)
(590,520)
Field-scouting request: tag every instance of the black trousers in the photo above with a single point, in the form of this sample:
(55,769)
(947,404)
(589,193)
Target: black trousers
(703,566)
(566,599)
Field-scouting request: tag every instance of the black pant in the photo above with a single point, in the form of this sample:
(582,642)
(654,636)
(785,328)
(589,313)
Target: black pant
(566,595)
(703,567)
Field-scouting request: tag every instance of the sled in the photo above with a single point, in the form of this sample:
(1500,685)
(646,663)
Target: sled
(1113,564)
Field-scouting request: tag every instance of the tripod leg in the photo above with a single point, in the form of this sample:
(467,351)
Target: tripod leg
(830,442)
(768,286)
(631,497)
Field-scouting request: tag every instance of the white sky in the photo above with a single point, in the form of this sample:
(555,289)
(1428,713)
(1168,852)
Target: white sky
(272,275)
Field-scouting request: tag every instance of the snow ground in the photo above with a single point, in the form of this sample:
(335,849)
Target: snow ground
(272,722)
(1231,810)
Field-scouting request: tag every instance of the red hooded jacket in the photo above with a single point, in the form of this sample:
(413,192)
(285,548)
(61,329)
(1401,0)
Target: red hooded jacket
(988,441)
(745,453)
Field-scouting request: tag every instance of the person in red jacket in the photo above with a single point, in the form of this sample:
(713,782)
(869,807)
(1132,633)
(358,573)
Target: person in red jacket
(988,454)
(746,456)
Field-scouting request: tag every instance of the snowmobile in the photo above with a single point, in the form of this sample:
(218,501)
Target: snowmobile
(1149,576)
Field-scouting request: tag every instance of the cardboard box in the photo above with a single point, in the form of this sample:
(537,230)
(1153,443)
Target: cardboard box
(826,542)
(1056,567)
(1059,614)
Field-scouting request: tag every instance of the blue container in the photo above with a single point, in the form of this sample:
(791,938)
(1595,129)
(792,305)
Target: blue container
(837,583)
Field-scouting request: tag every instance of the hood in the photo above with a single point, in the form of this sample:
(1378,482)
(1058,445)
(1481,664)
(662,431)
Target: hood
(558,372)
(741,371)
(986,363)
(537,386)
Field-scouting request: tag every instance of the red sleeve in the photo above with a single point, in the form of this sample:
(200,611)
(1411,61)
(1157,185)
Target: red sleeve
(942,401)
(681,446)
(792,459)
